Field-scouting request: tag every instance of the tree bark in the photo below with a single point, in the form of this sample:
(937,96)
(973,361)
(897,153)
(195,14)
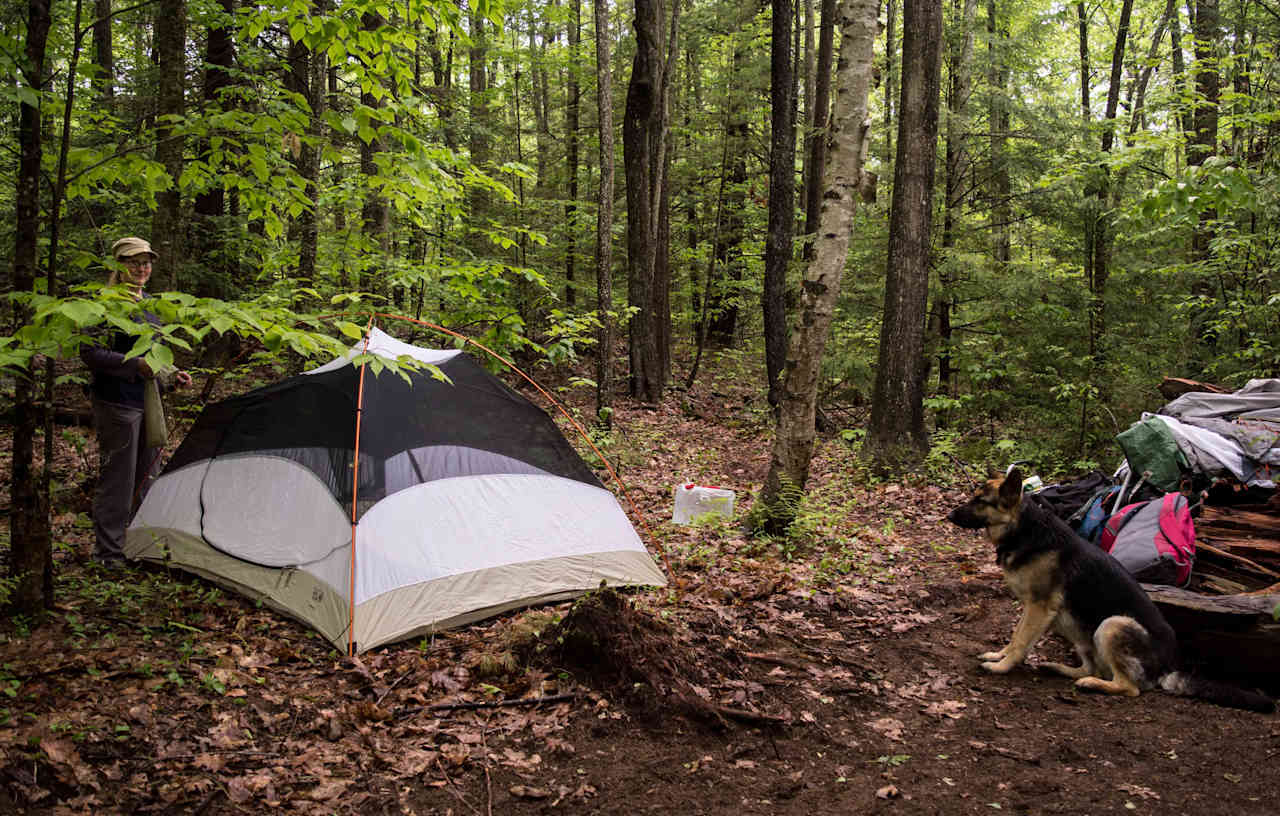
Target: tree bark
(644,127)
(896,437)
(956,166)
(207,233)
(818,133)
(1001,186)
(171,44)
(373,212)
(572,122)
(793,442)
(604,219)
(782,183)
(31,540)
(104,78)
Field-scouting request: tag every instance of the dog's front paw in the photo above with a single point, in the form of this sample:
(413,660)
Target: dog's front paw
(992,655)
(999,666)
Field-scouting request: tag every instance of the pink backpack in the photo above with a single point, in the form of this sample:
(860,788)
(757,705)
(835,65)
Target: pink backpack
(1155,540)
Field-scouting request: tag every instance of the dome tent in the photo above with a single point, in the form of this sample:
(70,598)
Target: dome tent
(464,501)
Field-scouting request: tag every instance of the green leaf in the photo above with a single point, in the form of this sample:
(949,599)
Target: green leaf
(351,330)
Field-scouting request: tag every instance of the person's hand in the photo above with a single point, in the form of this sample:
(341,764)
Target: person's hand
(145,370)
(182,379)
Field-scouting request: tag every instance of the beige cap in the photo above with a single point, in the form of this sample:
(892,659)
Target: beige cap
(128,247)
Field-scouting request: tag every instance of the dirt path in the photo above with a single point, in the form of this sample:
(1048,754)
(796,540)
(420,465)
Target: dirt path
(841,660)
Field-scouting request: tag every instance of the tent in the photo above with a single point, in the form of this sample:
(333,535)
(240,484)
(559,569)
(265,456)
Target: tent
(463,501)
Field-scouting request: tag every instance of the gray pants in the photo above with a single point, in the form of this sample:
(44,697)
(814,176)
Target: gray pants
(125,470)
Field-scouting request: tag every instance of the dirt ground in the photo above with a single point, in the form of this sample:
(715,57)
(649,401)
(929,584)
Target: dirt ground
(831,673)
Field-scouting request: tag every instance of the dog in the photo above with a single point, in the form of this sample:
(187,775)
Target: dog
(1124,643)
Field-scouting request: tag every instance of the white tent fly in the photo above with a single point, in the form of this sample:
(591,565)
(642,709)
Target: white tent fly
(464,501)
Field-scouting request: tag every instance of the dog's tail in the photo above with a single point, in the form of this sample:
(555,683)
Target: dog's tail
(1191,685)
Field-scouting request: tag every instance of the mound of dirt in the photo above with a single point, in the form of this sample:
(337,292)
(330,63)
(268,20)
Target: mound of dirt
(631,656)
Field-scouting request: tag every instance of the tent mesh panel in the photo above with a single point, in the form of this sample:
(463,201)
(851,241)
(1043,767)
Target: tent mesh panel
(410,432)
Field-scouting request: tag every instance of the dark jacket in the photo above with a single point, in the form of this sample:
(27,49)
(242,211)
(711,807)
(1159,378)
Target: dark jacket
(116,379)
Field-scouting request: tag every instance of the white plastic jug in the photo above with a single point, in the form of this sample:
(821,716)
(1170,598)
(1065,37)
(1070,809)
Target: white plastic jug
(694,501)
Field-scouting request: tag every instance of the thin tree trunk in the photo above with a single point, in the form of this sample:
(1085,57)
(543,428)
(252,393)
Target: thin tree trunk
(818,133)
(896,437)
(1001,186)
(171,44)
(957,171)
(782,182)
(604,219)
(210,205)
(571,125)
(104,79)
(30,535)
(373,211)
(792,449)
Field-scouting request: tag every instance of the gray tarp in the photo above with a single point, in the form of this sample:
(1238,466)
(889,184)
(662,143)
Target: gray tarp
(1236,433)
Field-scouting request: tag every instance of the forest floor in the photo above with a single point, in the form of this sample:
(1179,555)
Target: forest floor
(831,672)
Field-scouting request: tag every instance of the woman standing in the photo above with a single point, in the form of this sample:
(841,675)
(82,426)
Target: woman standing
(126,464)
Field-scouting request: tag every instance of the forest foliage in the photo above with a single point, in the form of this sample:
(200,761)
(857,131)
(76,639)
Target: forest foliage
(1106,208)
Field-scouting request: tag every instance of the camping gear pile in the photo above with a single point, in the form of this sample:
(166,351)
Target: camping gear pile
(379,507)
(1207,454)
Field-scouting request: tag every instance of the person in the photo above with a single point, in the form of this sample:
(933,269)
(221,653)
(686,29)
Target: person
(126,464)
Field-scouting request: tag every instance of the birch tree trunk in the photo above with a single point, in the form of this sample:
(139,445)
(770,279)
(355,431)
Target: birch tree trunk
(793,442)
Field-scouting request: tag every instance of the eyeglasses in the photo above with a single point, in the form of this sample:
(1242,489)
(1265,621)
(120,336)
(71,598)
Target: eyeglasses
(137,261)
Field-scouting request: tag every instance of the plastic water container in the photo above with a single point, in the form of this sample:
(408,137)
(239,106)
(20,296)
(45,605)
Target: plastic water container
(694,501)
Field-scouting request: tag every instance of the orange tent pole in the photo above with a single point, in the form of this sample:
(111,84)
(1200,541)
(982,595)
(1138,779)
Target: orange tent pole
(355,496)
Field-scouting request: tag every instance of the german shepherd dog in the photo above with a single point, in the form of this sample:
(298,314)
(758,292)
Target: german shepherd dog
(1124,643)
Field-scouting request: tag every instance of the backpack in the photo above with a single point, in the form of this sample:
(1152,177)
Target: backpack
(1090,518)
(1155,540)
(1065,500)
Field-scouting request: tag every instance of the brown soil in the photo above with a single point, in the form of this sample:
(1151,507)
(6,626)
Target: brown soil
(833,673)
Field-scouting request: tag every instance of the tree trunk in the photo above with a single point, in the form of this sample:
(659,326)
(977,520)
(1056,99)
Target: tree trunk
(1001,187)
(104,78)
(957,171)
(890,56)
(1204,118)
(373,212)
(171,44)
(1203,145)
(207,231)
(604,219)
(818,134)
(478,132)
(30,535)
(644,127)
(571,125)
(793,442)
(896,437)
(782,183)
(306,78)
(723,292)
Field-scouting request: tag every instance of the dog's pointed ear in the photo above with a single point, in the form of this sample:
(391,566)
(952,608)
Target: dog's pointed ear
(1011,488)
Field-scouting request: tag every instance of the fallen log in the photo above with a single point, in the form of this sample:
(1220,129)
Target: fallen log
(1231,637)
(1173,387)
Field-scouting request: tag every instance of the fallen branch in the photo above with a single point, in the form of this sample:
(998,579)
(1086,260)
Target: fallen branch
(777,659)
(523,701)
(1239,559)
(749,717)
